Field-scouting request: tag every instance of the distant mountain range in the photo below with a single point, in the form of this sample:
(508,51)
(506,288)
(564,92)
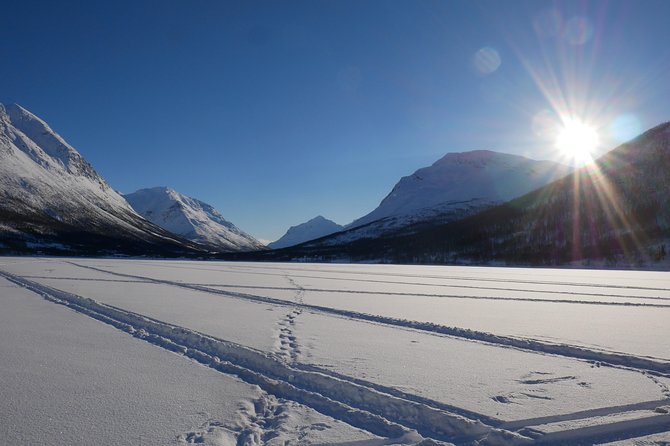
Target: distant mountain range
(615,212)
(454,187)
(191,219)
(477,207)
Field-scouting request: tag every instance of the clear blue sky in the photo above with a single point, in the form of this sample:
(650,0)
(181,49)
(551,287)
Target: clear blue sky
(277,111)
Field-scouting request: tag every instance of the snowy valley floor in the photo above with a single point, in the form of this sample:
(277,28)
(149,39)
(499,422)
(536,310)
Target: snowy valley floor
(129,352)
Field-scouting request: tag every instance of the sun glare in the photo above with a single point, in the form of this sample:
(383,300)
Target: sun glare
(577,141)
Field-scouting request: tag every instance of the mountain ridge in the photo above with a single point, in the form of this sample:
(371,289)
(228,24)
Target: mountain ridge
(493,177)
(53,198)
(613,213)
(190,218)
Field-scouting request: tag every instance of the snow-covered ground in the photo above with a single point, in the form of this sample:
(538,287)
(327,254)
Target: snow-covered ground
(224,353)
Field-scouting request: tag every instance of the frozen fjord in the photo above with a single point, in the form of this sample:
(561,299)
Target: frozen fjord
(371,338)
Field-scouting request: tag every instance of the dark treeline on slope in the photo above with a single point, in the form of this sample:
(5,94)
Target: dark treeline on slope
(615,211)
(33,232)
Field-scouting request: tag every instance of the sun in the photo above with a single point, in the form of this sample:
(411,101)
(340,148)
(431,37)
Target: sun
(577,140)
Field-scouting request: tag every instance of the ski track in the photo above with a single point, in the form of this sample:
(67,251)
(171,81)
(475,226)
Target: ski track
(417,294)
(360,406)
(460,296)
(282,272)
(597,357)
(427,276)
(352,401)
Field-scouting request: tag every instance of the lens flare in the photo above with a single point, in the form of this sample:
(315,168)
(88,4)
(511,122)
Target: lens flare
(578,31)
(486,61)
(577,140)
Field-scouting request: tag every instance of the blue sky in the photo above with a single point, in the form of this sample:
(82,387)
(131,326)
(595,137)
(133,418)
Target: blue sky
(275,112)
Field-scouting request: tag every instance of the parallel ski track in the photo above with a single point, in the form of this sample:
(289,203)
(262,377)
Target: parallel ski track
(416,294)
(605,357)
(282,272)
(351,402)
(460,296)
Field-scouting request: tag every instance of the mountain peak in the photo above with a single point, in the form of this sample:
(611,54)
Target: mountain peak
(190,218)
(317,227)
(17,109)
(482,175)
(45,146)
(469,155)
(482,158)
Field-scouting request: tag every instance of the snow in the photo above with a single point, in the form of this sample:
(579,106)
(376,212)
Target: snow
(479,175)
(46,139)
(70,380)
(44,179)
(310,230)
(190,218)
(495,382)
(662,439)
(383,354)
(41,168)
(243,322)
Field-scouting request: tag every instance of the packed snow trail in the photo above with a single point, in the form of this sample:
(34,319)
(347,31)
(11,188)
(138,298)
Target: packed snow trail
(571,351)
(288,342)
(350,402)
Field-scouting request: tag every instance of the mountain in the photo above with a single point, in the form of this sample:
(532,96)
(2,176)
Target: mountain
(53,201)
(612,213)
(191,219)
(313,229)
(480,178)
(454,187)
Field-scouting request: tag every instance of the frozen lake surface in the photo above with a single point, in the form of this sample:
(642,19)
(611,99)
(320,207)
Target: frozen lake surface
(107,351)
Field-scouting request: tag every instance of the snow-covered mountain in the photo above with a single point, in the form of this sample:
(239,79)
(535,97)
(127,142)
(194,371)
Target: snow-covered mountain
(191,219)
(612,213)
(53,199)
(454,187)
(477,179)
(310,230)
